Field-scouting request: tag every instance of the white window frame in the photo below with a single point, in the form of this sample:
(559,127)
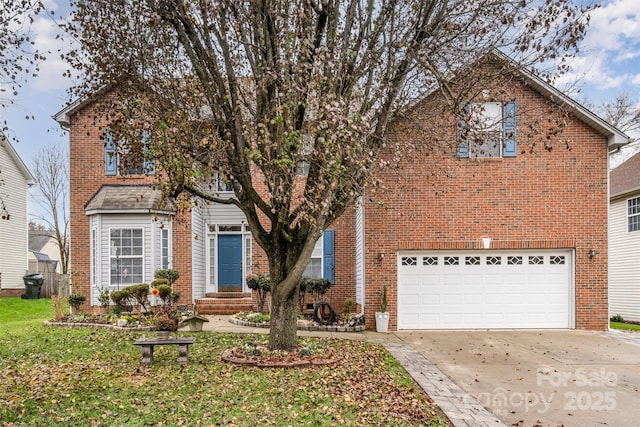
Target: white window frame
(94,256)
(165,247)
(317,254)
(115,254)
(633,214)
(486,125)
(211,268)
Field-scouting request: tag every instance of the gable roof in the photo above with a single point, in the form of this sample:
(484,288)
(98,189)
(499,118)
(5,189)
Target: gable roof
(13,155)
(39,239)
(625,179)
(113,198)
(616,138)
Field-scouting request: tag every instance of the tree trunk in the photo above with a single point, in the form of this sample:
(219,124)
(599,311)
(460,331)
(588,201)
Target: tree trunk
(284,324)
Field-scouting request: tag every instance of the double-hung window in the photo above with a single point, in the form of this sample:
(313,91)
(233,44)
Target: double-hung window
(486,130)
(633,214)
(113,158)
(126,256)
(322,259)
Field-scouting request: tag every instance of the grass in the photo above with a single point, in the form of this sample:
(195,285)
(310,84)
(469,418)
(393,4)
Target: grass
(93,377)
(624,326)
(17,314)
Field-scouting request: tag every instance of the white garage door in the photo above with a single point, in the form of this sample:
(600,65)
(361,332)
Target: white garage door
(485,289)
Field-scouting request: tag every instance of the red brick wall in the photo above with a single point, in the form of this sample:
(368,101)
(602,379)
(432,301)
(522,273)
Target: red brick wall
(344,263)
(87,175)
(552,195)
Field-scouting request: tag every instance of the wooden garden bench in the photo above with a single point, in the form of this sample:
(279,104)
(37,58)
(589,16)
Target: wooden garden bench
(147,344)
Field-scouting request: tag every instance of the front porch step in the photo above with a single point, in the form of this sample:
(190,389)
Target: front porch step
(225,304)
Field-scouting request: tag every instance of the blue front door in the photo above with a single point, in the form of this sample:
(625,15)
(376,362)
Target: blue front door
(230,263)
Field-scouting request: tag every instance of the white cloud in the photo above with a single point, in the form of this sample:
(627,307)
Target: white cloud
(610,52)
(612,23)
(48,37)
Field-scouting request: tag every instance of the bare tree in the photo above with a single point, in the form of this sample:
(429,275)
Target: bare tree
(289,101)
(624,113)
(17,59)
(51,170)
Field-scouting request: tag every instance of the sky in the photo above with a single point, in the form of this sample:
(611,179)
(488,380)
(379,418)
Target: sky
(608,64)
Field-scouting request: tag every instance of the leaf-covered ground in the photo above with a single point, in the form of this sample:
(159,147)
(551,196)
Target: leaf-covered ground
(87,377)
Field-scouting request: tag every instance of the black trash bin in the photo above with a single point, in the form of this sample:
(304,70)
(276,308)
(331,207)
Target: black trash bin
(33,285)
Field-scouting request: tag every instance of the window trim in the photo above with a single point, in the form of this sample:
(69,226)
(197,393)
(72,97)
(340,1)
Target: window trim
(112,157)
(633,214)
(506,131)
(119,283)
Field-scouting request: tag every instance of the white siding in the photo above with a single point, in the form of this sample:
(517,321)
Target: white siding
(14,237)
(223,214)
(198,253)
(151,240)
(360,253)
(624,264)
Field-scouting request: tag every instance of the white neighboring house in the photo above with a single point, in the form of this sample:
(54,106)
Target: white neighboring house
(15,180)
(44,253)
(624,240)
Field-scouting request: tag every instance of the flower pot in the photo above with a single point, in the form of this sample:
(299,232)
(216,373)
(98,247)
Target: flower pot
(162,335)
(382,321)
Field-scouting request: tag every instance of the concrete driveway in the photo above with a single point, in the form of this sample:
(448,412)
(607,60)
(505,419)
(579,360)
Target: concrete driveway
(541,378)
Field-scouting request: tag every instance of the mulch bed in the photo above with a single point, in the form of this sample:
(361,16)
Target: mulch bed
(262,357)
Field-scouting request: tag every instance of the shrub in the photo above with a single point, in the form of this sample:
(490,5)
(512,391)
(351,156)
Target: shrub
(316,286)
(103,297)
(76,300)
(121,299)
(58,307)
(617,318)
(348,307)
(383,300)
(140,293)
(167,295)
(261,284)
(169,274)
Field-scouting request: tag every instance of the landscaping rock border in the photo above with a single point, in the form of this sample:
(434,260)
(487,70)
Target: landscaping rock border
(292,360)
(98,325)
(329,328)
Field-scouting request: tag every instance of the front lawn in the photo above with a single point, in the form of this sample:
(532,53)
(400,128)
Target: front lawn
(624,326)
(81,376)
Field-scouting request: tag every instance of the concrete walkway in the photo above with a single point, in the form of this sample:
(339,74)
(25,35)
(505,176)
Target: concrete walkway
(544,378)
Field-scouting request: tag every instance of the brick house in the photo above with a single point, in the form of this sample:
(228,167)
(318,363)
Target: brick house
(502,225)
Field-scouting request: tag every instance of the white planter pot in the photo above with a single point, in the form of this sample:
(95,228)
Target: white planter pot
(382,321)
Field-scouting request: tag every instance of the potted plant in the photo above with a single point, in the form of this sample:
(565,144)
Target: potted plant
(194,321)
(164,324)
(382,316)
(167,318)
